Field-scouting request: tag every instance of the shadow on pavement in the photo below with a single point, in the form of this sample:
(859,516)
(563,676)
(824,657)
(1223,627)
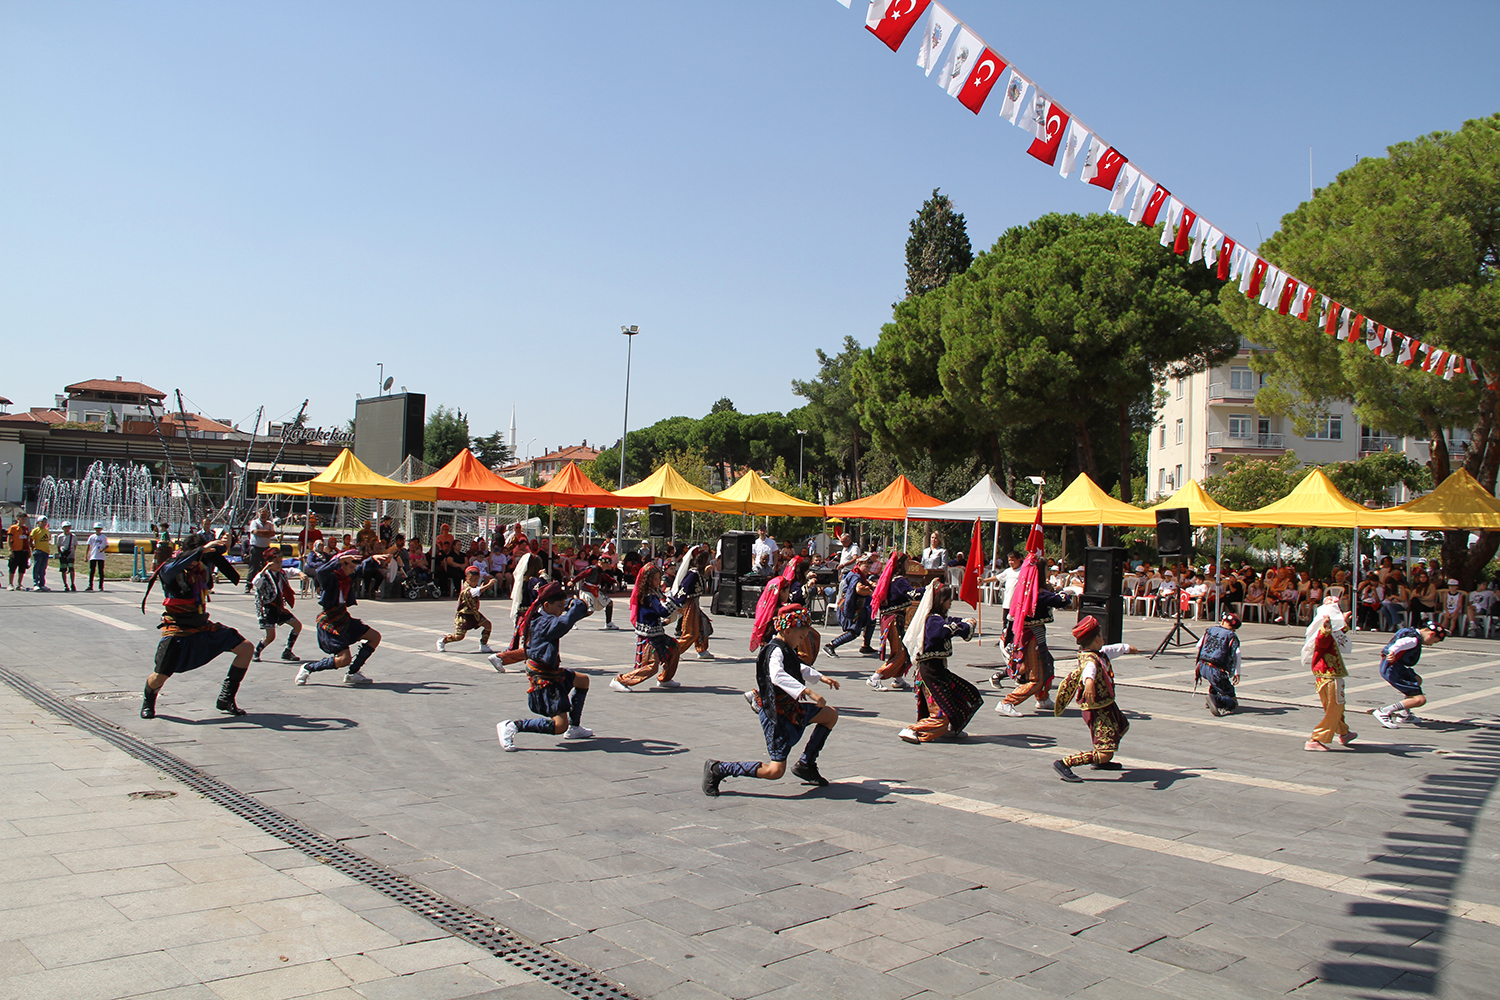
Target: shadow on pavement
(266,720)
(613,744)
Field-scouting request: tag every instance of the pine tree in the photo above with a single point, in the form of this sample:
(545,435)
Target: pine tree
(939,246)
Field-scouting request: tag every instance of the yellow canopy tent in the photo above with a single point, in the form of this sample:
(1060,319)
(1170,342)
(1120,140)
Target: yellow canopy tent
(347,476)
(1313,503)
(666,486)
(1083,502)
(753,495)
(1206,512)
(1458,502)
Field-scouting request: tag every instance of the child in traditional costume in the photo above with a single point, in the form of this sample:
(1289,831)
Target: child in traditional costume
(1092,682)
(945,701)
(894,596)
(1323,652)
(528,581)
(274,600)
(651,611)
(688,590)
(1398,665)
(339,631)
(553,693)
(1218,663)
(467,616)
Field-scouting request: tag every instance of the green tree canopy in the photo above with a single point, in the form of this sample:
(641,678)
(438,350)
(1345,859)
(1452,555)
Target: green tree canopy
(446,435)
(938,247)
(491,450)
(831,416)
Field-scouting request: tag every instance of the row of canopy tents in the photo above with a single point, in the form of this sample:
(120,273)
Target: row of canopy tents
(1458,502)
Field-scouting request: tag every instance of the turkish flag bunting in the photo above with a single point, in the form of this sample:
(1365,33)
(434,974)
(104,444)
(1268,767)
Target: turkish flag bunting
(1185,230)
(1372,336)
(1107,169)
(1389,347)
(1346,317)
(1435,358)
(1045,148)
(1270,292)
(892,20)
(981,81)
(1288,293)
(1257,275)
(1455,367)
(1226,258)
(1409,351)
(1211,243)
(1154,204)
(1308,294)
(1357,327)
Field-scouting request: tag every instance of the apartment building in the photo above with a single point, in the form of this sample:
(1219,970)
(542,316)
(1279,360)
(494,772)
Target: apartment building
(1210,417)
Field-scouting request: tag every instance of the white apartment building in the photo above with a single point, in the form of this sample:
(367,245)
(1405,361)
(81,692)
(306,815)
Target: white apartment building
(1210,417)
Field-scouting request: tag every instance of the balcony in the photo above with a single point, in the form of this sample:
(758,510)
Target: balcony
(1220,392)
(1374,445)
(1256,442)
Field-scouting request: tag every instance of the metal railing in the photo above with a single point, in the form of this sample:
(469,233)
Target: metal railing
(1264,442)
(1222,390)
(1370,445)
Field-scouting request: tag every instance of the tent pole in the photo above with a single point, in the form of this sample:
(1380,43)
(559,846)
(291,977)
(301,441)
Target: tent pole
(1100,542)
(1354,572)
(905,533)
(1219,573)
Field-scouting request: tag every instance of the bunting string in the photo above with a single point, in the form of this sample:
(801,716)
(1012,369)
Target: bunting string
(970,70)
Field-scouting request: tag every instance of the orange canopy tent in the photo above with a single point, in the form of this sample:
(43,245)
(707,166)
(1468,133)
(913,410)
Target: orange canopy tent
(571,488)
(889,504)
(467,478)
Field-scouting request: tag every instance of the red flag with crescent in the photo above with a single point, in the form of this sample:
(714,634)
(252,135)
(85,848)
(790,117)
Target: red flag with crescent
(1045,147)
(981,81)
(892,20)
(968,591)
(1226,254)
(1107,171)
(1184,230)
(1153,207)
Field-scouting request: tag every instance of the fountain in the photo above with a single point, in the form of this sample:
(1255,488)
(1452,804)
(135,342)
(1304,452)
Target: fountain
(126,499)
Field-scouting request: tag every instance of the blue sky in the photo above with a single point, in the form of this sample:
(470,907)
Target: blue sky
(258,203)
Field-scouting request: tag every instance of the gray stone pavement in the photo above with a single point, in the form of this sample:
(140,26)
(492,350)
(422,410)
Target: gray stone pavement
(1223,862)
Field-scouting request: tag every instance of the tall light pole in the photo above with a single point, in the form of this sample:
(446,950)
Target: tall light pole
(801,440)
(629,332)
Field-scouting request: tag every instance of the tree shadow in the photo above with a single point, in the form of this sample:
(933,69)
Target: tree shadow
(267,720)
(1423,863)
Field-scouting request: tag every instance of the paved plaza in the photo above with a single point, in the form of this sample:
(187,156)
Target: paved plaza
(1224,861)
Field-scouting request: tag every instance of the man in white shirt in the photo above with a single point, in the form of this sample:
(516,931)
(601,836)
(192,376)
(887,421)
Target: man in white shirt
(762,552)
(262,530)
(98,544)
(849,553)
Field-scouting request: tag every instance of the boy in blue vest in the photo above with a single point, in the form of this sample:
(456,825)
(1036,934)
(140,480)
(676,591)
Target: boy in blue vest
(1398,663)
(1219,664)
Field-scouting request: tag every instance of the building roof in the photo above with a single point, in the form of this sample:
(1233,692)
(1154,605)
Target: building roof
(572,453)
(36,415)
(116,384)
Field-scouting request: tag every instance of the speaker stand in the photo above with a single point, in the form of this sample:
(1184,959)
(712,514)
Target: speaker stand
(1174,634)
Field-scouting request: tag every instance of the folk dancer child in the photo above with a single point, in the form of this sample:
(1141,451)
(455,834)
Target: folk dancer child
(894,596)
(1398,663)
(467,616)
(655,651)
(1324,652)
(189,639)
(274,601)
(1092,682)
(67,549)
(945,701)
(782,589)
(1218,664)
(338,631)
(854,607)
(1031,658)
(787,706)
(553,693)
(522,594)
(590,584)
(689,588)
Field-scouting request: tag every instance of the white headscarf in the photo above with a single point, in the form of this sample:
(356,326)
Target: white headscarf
(1327,611)
(916,632)
(683,567)
(515,590)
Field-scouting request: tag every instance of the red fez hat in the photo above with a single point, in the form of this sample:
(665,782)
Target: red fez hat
(1087,625)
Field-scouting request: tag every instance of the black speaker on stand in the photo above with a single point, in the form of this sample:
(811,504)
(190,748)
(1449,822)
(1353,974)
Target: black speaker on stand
(1174,541)
(659,516)
(735,560)
(1103,581)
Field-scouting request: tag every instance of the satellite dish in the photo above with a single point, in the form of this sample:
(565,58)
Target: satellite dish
(387,386)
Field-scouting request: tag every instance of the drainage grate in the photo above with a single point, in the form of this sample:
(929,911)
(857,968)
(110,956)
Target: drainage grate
(451,917)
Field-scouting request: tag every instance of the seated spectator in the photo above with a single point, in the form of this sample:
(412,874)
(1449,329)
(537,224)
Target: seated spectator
(1392,601)
(1367,604)
(1455,603)
(419,569)
(1255,596)
(1423,596)
(1481,603)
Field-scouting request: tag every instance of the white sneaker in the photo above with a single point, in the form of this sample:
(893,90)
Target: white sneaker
(908,736)
(1006,708)
(876,683)
(578,733)
(752,698)
(507,732)
(484,647)
(442,644)
(302,676)
(899,684)
(706,655)
(667,684)
(1045,706)
(615,685)
(1386,719)
(496,662)
(1407,715)
(357,679)
(611,627)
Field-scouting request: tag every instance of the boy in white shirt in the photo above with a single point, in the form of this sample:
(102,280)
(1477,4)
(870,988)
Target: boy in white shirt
(98,545)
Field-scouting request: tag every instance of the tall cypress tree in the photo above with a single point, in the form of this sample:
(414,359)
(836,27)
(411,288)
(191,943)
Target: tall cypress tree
(939,246)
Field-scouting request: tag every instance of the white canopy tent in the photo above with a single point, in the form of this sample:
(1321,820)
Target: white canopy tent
(981,502)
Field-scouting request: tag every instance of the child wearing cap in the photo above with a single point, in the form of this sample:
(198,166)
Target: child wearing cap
(466,616)
(273,604)
(1398,662)
(98,545)
(1454,602)
(787,706)
(1092,682)
(1218,664)
(554,694)
(67,548)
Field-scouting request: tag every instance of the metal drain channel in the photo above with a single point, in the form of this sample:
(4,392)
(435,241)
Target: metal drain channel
(451,917)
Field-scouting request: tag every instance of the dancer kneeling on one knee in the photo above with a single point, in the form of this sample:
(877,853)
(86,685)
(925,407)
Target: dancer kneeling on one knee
(554,694)
(1092,682)
(786,704)
(338,631)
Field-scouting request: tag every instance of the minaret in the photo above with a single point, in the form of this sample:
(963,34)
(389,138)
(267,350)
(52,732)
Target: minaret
(512,428)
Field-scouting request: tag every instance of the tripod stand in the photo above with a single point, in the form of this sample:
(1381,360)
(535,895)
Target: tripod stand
(1174,635)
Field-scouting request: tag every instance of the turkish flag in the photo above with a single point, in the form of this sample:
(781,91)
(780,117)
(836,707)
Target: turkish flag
(1331,323)
(1056,123)
(892,20)
(1107,169)
(1226,257)
(1308,294)
(1409,352)
(1288,293)
(1153,205)
(1356,328)
(1185,230)
(981,81)
(968,591)
(1257,275)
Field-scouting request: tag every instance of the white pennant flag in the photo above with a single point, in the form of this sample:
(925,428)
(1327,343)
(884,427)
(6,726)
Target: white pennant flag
(1452,368)
(1142,198)
(1015,94)
(1038,110)
(1323,313)
(1174,216)
(1389,347)
(1077,136)
(1238,258)
(1211,248)
(1128,174)
(1196,253)
(961,55)
(1097,147)
(1372,336)
(940,25)
(1270,291)
(1247,270)
(1344,321)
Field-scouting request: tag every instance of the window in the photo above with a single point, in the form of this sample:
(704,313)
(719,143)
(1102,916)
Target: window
(1241,380)
(1161,479)
(1241,427)
(1179,430)
(1327,429)
(1162,441)
(1179,388)
(1177,479)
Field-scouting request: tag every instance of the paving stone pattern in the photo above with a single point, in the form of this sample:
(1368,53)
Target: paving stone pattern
(606,851)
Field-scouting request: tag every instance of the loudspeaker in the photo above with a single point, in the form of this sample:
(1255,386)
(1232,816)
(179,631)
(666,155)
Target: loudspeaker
(1174,533)
(1109,610)
(727,597)
(660,517)
(734,552)
(1104,571)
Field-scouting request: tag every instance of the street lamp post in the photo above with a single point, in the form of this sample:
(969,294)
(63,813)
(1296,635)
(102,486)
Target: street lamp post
(801,440)
(629,332)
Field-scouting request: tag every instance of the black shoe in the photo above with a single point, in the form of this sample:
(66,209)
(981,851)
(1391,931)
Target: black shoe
(227,706)
(831,649)
(1109,765)
(1213,708)
(996,679)
(868,651)
(809,773)
(290,657)
(1065,772)
(711,778)
(148,704)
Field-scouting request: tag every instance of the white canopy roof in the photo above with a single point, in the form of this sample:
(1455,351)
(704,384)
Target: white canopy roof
(981,502)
